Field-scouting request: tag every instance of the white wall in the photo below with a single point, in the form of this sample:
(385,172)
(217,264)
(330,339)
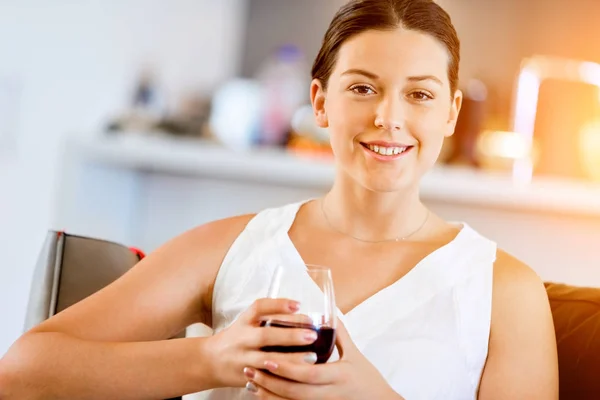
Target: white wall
(75,63)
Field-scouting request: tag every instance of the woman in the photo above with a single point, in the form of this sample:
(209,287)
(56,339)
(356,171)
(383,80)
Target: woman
(462,320)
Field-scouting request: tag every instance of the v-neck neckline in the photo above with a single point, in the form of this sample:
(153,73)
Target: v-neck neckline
(421,270)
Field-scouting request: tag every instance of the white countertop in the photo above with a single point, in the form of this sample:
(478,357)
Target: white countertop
(443,183)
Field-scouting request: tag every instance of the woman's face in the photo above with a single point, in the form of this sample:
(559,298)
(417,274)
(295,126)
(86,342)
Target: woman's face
(388,107)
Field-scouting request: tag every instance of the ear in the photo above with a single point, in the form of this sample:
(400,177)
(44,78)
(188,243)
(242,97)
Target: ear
(317,99)
(454,111)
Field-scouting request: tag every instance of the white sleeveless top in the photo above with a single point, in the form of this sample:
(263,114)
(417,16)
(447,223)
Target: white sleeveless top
(427,333)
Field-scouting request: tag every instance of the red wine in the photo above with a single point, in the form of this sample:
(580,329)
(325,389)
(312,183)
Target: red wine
(322,347)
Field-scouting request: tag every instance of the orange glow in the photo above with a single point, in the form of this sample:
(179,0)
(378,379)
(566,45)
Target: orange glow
(533,71)
(509,145)
(590,149)
(499,150)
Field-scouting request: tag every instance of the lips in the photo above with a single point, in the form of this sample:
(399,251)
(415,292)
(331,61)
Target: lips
(383,149)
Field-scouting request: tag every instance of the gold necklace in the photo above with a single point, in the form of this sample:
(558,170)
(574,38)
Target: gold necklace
(396,239)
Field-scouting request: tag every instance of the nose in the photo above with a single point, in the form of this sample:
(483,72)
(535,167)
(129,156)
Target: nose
(390,115)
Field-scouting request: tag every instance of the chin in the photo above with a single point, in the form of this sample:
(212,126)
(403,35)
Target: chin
(382,184)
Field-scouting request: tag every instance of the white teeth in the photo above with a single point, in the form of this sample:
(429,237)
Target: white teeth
(386,151)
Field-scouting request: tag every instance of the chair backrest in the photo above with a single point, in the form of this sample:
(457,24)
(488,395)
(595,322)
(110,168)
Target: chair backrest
(69,269)
(576,314)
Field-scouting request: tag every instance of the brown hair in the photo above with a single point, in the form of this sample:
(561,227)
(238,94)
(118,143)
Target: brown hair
(361,15)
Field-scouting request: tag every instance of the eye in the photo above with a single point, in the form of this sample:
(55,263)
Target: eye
(362,90)
(420,95)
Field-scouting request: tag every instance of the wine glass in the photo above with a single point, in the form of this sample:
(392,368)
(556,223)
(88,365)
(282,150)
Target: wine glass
(312,287)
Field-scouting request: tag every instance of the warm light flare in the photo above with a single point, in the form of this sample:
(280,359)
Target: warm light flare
(589,147)
(533,72)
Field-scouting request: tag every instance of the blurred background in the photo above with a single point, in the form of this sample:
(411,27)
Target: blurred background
(135,120)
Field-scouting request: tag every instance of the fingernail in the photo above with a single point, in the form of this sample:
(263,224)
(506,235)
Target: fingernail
(310,358)
(294,306)
(310,336)
(249,372)
(251,387)
(271,365)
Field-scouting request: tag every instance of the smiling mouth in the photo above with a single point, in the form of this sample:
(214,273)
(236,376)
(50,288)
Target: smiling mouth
(386,151)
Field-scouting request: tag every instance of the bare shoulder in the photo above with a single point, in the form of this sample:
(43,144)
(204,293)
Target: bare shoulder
(207,245)
(201,249)
(231,226)
(522,359)
(172,285)
(518,292)
(212,236)
(194,258)
(512,276)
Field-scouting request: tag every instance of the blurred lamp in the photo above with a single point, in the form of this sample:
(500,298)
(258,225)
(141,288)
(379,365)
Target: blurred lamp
(533,72)
(500,150)
(590,149)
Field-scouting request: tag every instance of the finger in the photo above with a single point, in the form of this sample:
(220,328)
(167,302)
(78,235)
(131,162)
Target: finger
(281,387)
(322,374)
(260,392)
(259,359)
(263,307)
(275,338)
(343,341)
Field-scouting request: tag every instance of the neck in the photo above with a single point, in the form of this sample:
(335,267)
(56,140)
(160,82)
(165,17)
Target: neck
(373,216)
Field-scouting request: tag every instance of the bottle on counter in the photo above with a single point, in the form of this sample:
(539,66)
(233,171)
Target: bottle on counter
(284,81)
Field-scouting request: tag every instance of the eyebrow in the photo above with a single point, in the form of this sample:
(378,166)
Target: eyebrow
(418,78)
(421,78)
(354,71)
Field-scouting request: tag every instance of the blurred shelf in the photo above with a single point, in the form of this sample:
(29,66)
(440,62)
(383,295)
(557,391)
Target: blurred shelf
(276,166)
(205,158)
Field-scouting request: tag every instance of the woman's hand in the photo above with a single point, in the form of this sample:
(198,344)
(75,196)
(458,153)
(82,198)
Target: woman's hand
(352,377)
(238,346)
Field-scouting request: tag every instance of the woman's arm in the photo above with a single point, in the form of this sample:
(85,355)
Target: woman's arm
(112,344)
(522,360)
(58,366)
